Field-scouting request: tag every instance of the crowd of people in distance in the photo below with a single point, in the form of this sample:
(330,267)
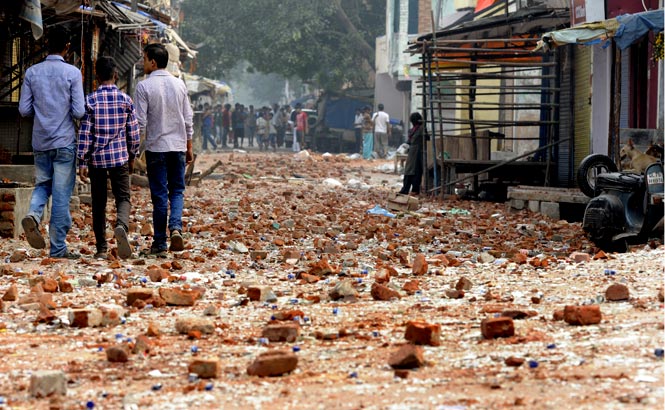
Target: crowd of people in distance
(268,128)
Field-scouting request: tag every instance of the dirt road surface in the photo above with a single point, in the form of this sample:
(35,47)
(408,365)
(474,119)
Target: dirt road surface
(286,241)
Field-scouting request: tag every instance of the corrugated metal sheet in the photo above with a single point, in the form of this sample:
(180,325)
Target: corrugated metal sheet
(624,116)
(565,168)
(582,103)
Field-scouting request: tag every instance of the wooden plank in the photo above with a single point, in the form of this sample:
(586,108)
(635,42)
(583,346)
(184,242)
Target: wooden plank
(548,194)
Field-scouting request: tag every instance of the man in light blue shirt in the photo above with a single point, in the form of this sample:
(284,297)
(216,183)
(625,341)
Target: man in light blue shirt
(52,93)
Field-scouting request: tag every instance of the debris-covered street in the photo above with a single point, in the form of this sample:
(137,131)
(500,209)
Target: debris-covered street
(458,305)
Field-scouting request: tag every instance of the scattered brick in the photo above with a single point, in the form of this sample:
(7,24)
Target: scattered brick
(383,292)
(205,368)
(419,265)
(273,363)
(282,332)
(45,383)
(423,333)
(117,354)
(617,292)
(408,356)
(492,328)
(582,315)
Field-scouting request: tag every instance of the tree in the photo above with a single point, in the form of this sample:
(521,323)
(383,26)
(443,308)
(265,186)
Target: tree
(327,43)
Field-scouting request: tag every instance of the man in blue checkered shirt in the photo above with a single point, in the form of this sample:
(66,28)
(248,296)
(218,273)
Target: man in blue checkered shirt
(108,142)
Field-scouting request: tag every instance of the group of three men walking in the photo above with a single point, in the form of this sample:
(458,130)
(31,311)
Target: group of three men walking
(108,142)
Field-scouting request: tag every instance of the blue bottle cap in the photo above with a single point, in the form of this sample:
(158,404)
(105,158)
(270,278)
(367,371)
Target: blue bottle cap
(353,375)
(551,346)
(144,279)
(296,349)
(533,364)
(335,311)
(156,387)
(209,386)
(194,349)
(659,352)
(90,405)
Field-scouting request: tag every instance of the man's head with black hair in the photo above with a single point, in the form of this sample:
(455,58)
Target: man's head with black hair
(155,57)
(105,68)
(57,40)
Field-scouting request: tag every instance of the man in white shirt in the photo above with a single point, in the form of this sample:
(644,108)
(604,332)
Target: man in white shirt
(165,117)
(358,128)
(381,121)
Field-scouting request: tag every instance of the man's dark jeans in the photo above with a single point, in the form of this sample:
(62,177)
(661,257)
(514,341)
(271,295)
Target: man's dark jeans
(119,177)
(166,177)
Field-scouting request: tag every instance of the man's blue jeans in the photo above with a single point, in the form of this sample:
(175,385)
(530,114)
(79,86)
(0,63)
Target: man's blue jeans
(55,174)
(166,177)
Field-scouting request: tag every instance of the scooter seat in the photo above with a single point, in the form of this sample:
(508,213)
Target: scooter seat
(621,181)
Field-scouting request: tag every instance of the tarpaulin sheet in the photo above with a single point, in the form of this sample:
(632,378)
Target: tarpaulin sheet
(625,29)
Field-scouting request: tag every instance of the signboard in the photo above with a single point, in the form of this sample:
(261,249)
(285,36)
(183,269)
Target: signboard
(586,11)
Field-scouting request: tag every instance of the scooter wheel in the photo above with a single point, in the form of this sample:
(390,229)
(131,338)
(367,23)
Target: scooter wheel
(590,168)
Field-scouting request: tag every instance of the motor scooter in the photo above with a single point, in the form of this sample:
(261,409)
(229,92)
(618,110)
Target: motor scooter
(625,208)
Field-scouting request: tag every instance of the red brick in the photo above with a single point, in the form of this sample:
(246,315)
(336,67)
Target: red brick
(138,293)
(419,265)
(580,257)
(497,327)
(289,314)
(11,294)
(50,285)
(513,361)
(582,315)
(179,297)
(617,292)
(158,274)
(422,333)
(65,286)
(273,363)
(383,292)
(117,354)
(142,345)
(463,284)
(205,368)
(407,357)
(282,332)
(411,287)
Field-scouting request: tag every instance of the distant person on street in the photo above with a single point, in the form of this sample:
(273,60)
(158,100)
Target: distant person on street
(302,127)
(227,132)
(413,168)
(381,121)
(250,126)
(358,129)
(165,116)
(52,93)
(238,124)
(108,142)
(217,120)
(368,136)
(207,123)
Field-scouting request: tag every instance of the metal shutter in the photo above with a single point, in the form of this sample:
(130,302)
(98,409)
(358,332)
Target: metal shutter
(565,168)
(581,102)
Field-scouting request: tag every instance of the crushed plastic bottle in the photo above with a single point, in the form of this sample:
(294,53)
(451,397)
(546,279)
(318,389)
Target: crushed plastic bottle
(377,210)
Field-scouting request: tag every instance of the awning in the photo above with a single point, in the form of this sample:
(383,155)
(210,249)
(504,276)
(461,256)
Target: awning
(197,84)
(175,38)
(626,30)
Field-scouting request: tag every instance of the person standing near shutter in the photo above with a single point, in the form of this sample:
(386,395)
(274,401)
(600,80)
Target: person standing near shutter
(108,142)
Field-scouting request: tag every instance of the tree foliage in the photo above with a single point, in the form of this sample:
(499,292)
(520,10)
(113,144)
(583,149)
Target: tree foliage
(329,43)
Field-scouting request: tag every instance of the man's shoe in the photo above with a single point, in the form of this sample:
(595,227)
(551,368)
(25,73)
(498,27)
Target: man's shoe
(124,249)
(68,255)
(32,234)
(177,244)
(101,255)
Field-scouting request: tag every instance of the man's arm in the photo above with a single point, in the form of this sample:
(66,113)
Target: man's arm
(141,107)
(78,100)
(188,114)
(25,104)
